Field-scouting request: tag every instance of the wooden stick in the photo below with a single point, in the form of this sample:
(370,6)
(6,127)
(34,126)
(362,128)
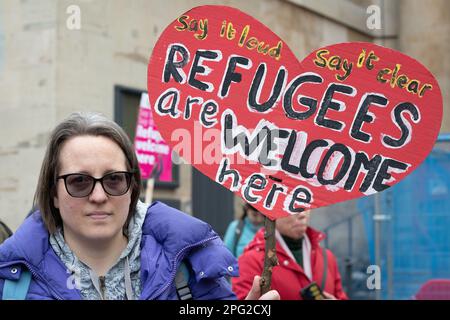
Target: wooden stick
(149,190)
(270,257)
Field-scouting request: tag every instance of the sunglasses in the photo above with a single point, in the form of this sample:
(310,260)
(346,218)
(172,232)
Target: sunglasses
(80,185)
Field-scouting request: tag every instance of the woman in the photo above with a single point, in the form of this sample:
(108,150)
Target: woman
(240,232)
(91,237)
(301,262)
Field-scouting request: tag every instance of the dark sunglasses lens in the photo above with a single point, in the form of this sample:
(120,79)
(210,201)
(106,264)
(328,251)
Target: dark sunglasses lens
(116,183)
(79,185)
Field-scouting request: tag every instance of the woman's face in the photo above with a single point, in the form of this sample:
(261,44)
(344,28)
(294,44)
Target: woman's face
(98,216)
(294,226)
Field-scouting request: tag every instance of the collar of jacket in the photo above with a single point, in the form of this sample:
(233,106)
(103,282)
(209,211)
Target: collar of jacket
(168,237)
(258,243)
(314,236)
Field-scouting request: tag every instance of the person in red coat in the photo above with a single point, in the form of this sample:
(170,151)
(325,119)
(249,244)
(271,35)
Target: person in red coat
(301,261)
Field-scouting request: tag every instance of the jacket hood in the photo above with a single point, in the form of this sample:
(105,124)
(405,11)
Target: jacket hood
(174,229)
(171,236)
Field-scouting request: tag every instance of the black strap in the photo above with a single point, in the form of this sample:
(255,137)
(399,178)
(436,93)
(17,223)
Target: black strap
(325,268)
(182,282)
(237,235)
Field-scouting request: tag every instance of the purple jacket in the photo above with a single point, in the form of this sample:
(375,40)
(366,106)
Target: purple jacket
(169,236)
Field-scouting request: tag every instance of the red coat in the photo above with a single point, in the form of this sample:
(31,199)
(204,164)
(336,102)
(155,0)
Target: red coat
(288,277)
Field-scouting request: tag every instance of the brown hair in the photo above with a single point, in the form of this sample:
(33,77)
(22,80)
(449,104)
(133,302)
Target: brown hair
(81,124)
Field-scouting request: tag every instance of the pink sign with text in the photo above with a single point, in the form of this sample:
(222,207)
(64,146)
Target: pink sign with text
(154,155)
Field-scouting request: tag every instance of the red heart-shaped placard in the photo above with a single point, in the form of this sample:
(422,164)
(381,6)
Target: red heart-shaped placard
(231,98)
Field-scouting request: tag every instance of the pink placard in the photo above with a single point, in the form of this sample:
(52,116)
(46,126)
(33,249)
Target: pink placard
(154,155)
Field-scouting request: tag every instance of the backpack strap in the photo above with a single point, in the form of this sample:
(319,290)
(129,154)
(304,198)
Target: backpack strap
(325,268)
(182,282)
(17,289)
(237,235)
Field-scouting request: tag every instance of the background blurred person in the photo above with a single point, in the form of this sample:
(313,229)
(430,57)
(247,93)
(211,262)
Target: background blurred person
(302,261)
(241,231)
